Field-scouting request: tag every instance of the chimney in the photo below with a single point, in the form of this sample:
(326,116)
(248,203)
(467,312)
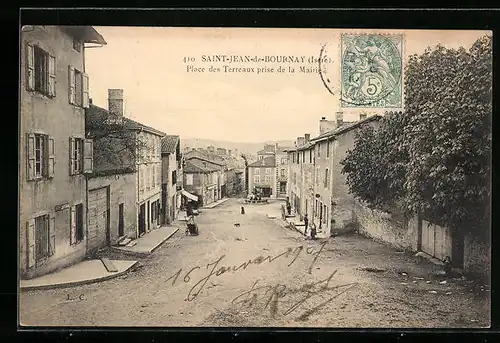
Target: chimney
(340,118)
(307,137)
(325,125)
(300,141)
(115,101)
(362,116)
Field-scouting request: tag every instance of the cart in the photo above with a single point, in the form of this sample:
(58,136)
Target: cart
(191,227)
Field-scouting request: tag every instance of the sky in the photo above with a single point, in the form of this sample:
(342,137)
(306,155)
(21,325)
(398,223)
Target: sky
(150,65)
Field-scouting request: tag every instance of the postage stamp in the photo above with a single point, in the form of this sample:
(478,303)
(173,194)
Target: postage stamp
(371,70)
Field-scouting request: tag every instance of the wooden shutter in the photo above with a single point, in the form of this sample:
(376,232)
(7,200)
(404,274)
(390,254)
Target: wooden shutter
(30,156)
(72,225)
(52,234)
(71,154)
(72,85)
(30,242)
(88,154)
(30,66)
(85,90)
(51,157)
(52,76)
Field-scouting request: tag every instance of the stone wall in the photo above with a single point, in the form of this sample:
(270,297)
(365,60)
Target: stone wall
(383,227)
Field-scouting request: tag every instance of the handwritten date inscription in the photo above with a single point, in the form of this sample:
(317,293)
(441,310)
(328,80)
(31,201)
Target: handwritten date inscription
(215,268)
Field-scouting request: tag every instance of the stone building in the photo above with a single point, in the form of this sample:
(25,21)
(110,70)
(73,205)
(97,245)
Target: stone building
(262,177)
(54,154)
(171,177)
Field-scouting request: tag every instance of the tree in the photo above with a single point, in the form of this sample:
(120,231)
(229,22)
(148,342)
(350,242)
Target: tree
(117,144)
(434,158)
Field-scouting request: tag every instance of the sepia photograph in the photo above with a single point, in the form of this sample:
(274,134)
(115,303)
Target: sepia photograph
(254,177)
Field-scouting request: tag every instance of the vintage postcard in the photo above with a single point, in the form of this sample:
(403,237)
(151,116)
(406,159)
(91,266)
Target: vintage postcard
(254,177)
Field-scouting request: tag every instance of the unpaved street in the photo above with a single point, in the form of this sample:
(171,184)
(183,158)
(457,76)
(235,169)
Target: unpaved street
(262,274)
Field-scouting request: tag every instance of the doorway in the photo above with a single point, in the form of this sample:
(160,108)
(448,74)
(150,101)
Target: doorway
(142,219)
(121,226)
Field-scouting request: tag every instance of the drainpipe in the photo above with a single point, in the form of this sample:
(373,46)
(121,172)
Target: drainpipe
(86,215)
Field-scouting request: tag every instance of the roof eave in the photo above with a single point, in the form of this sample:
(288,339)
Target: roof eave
(86,33)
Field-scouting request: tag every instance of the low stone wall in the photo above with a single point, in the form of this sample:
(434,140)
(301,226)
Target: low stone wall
(381,226)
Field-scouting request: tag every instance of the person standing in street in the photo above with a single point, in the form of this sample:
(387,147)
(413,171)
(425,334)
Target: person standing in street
(306,223)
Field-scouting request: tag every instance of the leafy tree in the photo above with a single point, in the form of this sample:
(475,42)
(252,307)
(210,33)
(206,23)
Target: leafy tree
(434,158)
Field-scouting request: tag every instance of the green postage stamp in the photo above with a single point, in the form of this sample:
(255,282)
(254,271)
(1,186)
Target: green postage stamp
(371,71)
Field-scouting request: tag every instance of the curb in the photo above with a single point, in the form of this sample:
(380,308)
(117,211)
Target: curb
(145,253)
(158,245)
(78,283)
(220,203)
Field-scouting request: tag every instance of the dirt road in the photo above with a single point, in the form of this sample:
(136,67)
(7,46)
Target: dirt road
(259,273)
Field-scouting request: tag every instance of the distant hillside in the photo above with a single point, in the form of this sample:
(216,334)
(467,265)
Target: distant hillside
(249,148)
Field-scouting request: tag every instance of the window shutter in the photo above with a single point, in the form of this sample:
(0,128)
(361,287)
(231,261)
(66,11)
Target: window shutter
(72,225)
(30,242)
(85,90)
(88,155)
(51,160)
(52,76)
(71,154)
(30,154)
(72,85)
(52,235)
(30,66)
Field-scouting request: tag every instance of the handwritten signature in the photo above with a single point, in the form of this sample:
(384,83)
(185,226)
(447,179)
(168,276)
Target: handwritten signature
(216,271)
(271,294)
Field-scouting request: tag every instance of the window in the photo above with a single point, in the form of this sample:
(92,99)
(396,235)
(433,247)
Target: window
(327,148)
(189,179)
(261,157)
(318,147)
(40,72)
(80,155)
(268,170)
(310,156)
(147,177)
(257,171)
(77,44)
(293,158)
(40,239)
(141,178)
(154,176)
(268,179)
(326,178)
(78,88)
(284,160)
(256,178)
(303,157)
(174,177)
(40,156)
(283,173)
(76,224)
(317,176)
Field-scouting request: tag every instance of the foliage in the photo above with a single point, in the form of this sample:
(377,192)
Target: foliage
(435,156)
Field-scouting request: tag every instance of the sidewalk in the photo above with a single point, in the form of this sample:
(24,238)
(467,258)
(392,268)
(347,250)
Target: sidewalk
(216,203)
(149,242)
(85,272)
(297,225)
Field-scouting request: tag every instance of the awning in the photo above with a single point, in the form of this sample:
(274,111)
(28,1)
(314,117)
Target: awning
(189,195)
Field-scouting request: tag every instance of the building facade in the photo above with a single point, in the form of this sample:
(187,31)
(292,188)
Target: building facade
(200,181)
(171,178)
(262,177)
(208,163)
(54,152)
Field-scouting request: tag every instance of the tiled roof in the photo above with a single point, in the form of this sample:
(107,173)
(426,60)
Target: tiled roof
(191,168)
(268,162)
(203,156)
(169,144)
(96,111)
(305,146)
(345,128)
